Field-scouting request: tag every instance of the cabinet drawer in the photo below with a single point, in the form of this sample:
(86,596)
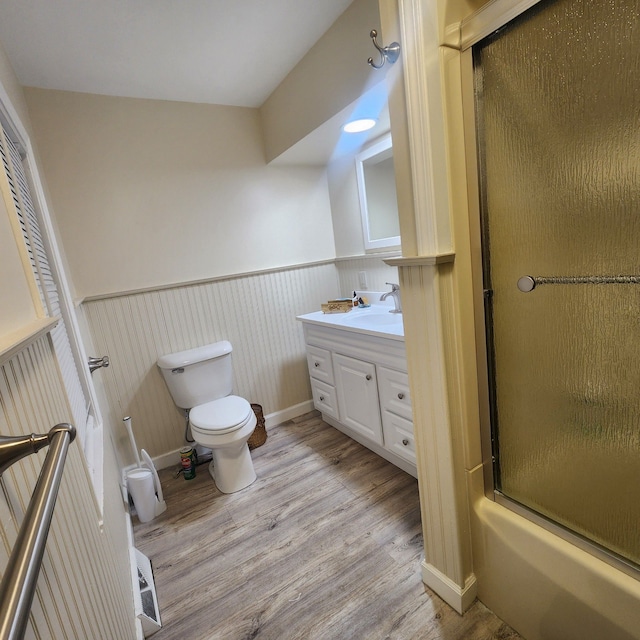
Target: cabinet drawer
(393,387)
(324,398)
(398,436)
(319,363)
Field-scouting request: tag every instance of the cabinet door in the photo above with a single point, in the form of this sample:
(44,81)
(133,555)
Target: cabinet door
(324,398)
(394,392)
(357,390)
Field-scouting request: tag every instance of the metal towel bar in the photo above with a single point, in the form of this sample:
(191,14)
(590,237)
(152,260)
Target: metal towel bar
(19,580)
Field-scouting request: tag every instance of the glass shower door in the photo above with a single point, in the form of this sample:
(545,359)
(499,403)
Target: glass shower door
(558,118)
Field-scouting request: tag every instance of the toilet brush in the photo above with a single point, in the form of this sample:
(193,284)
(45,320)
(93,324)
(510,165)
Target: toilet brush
(127,424)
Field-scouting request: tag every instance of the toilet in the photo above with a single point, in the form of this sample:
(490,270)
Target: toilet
(200,380)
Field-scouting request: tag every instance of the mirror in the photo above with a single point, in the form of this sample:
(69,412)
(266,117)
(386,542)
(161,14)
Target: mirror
(377,191)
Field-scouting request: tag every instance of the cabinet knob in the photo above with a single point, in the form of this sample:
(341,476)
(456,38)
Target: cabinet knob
(405,442)
(316,364)
(400,396)
(368,376)
(321,398)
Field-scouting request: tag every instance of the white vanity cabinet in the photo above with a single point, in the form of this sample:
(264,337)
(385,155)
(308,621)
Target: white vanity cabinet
(360,385)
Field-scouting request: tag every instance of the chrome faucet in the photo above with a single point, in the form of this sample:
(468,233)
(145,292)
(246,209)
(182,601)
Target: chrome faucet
(395,292)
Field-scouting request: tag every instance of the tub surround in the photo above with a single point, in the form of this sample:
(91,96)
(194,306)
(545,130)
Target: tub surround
(579,596)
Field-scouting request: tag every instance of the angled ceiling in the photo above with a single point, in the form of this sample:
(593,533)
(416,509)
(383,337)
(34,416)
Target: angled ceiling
(229,52)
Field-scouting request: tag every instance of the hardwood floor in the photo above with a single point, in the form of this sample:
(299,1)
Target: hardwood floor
(326,544)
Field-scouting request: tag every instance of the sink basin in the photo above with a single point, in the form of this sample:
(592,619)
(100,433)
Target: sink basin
(373,320)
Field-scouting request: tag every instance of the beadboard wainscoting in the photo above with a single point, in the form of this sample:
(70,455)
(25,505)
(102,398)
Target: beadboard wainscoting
(255,312)
(84,588)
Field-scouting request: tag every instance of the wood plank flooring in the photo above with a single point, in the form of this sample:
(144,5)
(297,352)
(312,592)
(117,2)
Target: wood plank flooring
(325,545)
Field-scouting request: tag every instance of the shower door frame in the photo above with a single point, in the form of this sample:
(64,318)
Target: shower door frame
(484,22)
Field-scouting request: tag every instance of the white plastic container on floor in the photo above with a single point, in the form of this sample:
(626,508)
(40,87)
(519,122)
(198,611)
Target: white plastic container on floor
(141,486)
(143,483)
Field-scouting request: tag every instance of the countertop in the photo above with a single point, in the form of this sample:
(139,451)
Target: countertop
(373,320)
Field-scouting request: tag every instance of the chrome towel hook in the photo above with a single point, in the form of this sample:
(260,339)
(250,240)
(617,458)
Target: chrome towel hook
(390,53)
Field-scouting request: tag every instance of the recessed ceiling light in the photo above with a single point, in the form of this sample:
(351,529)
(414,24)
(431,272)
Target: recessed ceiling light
(357,126)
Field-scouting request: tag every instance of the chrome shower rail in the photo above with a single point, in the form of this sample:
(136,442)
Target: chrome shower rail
(19,580)
(529,283)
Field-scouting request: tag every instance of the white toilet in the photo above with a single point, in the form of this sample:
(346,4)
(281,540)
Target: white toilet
(200,380)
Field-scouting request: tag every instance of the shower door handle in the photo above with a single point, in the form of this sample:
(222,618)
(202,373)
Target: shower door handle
(529,283)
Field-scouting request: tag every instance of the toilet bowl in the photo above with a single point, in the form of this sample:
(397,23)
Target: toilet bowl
(200,381)
(224,426)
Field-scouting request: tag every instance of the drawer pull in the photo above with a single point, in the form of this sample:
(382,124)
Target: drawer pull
(316,364)
(400,396)
(321,398)
(405,442)
(368,376)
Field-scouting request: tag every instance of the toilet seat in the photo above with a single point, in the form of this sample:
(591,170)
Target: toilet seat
(220,416)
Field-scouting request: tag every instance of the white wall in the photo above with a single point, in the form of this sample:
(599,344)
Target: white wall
(151,193)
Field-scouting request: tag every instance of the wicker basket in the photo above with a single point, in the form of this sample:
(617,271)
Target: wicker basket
(259,435)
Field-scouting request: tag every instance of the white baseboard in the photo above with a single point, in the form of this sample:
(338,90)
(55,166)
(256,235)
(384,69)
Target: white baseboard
(166,460)
(459,598)
(278,417)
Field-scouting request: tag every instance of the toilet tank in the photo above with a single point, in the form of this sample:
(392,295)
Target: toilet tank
(198,375)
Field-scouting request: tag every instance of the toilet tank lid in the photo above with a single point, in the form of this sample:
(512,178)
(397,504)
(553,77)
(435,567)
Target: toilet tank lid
(192,356)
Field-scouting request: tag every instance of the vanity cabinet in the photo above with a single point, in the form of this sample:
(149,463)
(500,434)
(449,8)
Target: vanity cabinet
(360,385)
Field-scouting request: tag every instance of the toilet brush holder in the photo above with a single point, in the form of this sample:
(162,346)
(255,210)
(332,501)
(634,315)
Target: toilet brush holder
(141,487)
